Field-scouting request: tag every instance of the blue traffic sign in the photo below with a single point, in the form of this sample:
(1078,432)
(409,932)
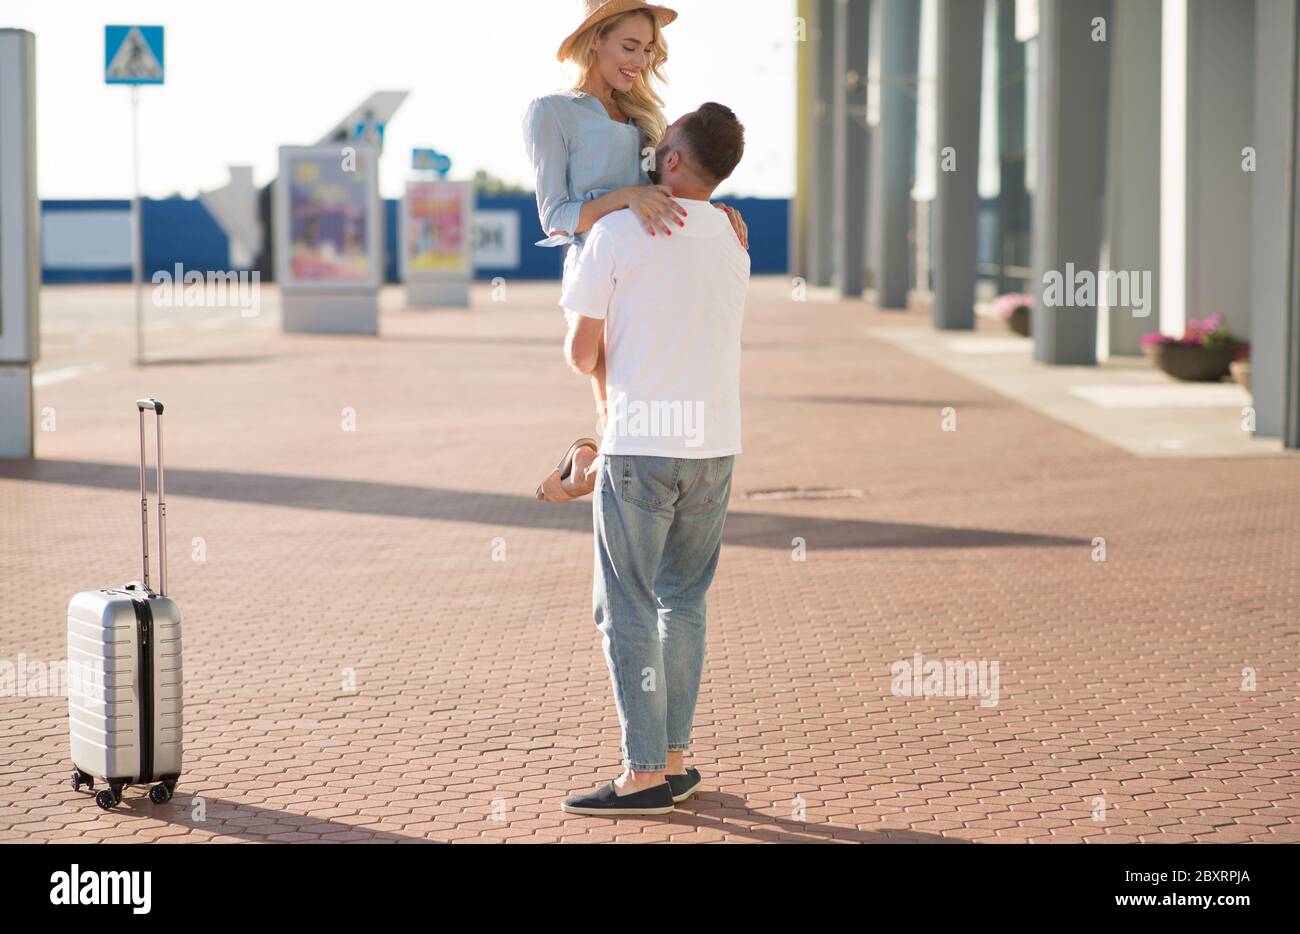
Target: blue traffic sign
(369,130)
(133,54)
(430,160)
(422,159)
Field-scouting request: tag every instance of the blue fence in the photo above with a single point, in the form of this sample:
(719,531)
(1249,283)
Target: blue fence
(180,230)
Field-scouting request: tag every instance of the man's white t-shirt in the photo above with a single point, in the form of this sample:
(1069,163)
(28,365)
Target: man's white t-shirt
(673,308)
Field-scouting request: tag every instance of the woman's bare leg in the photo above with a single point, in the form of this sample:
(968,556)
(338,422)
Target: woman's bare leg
(584,459)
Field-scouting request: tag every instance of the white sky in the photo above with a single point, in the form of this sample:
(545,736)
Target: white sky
(245,76)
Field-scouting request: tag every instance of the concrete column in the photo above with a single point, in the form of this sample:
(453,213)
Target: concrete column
(1012,249)
(1207,118)
(852,32)
(1272,208)
(20,270)
(957,134)
(1073,85)
(797,260)
(821,221)
(1133,167)
(893,138)
(1291,337)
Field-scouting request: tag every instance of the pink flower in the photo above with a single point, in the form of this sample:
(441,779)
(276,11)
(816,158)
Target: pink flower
(1004,305)
(1199,329)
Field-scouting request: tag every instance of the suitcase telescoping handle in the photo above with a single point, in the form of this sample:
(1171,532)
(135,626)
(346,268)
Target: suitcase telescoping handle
(141,405)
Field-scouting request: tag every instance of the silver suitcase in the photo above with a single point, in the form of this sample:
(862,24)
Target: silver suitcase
(124,671)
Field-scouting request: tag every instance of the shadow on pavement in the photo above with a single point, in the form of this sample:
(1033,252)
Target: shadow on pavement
(203,361)
(718,811)
(489,340)
(751,529)
(557,342)
(936,404)
(249,822)
(733,816)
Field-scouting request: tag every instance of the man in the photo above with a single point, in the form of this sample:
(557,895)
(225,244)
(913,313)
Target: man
(669,311)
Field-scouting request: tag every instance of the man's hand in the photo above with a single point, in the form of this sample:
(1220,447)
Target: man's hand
(582,344)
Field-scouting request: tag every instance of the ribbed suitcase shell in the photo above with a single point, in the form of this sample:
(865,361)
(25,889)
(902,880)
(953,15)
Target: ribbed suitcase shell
(105,702)
(124,670)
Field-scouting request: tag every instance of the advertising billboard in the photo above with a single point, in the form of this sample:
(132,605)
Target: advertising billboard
(437,248)
(438,227)
(328,225)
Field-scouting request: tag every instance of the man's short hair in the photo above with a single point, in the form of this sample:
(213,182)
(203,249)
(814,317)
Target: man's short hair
(715,138)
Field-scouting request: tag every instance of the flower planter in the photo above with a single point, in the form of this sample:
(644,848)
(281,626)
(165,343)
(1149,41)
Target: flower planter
(1014,309)
(1190,362)
(1241,373)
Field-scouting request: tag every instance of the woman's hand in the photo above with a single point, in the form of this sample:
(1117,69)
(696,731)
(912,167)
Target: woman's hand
(655,206)
(737,224)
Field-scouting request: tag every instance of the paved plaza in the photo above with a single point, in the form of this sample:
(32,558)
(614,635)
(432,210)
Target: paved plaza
(387,639)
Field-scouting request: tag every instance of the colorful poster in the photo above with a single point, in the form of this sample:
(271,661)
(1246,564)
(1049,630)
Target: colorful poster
(438,227)
(330,217)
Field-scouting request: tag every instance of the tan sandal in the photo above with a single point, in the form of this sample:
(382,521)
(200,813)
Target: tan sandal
(552,489)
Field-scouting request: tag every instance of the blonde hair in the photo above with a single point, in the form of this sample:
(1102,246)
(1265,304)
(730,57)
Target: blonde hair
(641,103)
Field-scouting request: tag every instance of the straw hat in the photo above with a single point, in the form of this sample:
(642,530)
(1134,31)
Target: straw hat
(593,11)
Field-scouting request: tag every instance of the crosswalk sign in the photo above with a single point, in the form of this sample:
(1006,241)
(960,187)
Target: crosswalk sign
(133,54)
(370,131)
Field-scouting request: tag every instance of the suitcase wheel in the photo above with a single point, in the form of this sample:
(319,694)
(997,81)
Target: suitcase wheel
(80,778)
(160,793)
(111,796)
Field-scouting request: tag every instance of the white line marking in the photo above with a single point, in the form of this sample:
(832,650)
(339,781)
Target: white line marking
(67,372)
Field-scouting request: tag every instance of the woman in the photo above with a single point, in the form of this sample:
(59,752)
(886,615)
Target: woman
(590,149)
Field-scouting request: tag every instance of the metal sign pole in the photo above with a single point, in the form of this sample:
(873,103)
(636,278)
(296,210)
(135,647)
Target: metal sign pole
(137,239)
(134,55)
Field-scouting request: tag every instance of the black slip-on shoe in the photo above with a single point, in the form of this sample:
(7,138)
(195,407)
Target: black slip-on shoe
(604,800)
(685,784)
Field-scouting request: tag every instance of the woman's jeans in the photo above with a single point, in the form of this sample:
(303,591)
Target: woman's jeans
(658,536)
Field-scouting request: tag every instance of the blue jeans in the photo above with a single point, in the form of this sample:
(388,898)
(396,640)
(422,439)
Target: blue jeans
(658,527)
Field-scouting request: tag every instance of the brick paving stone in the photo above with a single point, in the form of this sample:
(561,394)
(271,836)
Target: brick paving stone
(359,668)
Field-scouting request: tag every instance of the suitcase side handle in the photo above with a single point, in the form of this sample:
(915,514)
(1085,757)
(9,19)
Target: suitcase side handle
(157,407)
